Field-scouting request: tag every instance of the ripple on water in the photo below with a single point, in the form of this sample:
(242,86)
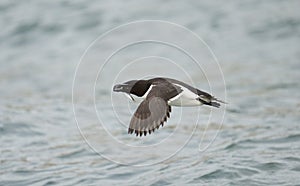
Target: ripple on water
(237,146)
(73,154)
(287,139)
(270,166)
(19,129)
(218,174)
(292,159)
(247,171)
(160,182)
(266,140)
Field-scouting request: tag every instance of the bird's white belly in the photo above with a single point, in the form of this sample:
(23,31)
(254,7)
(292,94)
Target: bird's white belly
(186,98)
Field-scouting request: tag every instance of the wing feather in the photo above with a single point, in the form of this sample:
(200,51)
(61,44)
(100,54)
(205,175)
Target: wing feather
(154,110)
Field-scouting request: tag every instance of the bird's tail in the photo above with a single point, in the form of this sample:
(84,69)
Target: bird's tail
(213,102)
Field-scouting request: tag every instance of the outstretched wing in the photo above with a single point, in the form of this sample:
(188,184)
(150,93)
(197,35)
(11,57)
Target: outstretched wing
(154,110)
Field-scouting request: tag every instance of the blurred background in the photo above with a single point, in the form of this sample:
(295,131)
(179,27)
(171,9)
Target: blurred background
(257,47)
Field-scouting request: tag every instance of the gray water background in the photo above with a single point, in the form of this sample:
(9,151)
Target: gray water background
(256,43)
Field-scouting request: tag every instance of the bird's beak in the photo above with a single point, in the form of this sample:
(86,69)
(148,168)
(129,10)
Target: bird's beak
(120,88)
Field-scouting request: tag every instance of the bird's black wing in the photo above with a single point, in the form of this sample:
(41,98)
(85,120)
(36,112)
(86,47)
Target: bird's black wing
(154,110)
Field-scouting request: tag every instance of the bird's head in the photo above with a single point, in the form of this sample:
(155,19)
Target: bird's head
(125,87)
(136,87)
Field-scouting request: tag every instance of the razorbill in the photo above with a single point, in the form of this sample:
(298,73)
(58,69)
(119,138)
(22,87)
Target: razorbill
(156,96)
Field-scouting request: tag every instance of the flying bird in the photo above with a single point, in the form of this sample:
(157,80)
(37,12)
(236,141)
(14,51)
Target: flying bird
(156,96)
